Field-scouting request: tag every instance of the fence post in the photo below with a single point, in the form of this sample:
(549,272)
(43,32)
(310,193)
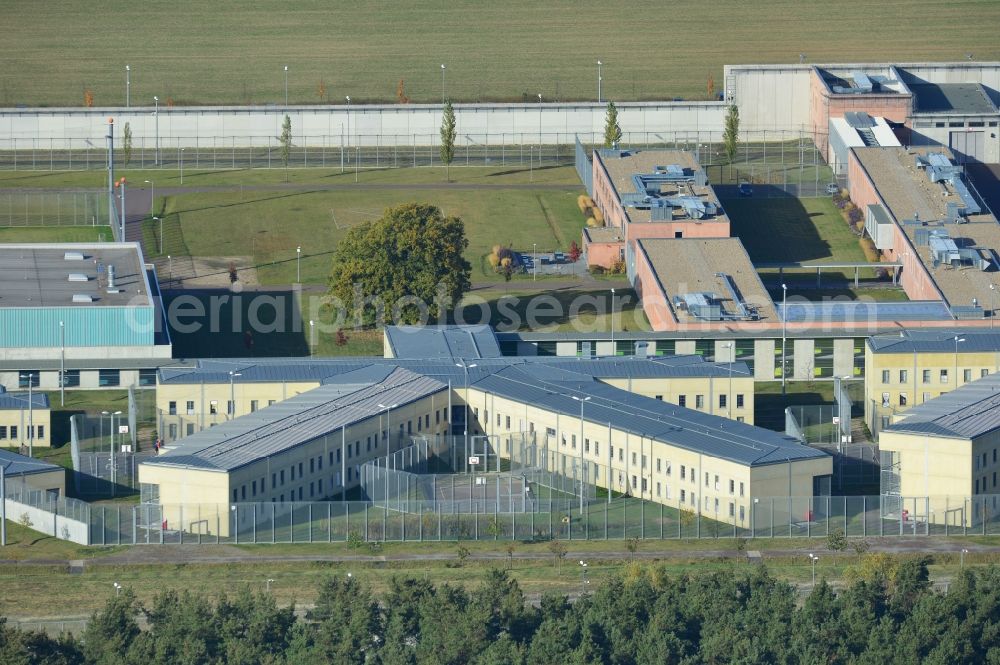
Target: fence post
(310,522)
(254,514)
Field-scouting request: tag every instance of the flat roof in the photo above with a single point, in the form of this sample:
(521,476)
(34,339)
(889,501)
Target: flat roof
(864,310)
(953,98)
(967,412)
(621,169)
(23,400)
(21,465)
(604,234)
(298,420)
(906,191)
(426,342)
(689,265)
(647,417)
(38,275)
(930,341)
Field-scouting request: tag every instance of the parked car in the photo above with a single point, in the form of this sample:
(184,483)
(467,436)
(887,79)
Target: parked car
(559,257)
(832,188)
(745,189)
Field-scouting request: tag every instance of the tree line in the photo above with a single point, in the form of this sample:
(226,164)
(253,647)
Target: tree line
(888,613)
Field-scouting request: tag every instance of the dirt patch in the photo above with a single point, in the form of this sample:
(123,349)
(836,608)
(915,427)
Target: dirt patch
(213,272)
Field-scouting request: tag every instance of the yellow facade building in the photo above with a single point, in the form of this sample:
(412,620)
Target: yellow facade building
(944,453)
(25,420)
(913,367)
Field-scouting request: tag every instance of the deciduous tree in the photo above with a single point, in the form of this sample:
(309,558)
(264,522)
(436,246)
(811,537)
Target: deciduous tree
(127,143)
(612,131)
(731,133)
(285,140)
(448,138)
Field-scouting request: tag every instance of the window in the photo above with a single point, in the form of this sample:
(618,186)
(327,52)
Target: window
(644,461)
(927,376)
(699,401)
(903,375)
(658,489)
(253,405)
(682,400)
(983,373)
(944,376)
(683,472)
(243,492)
(741,489)
(270,402)
(586,446)
(230,407)
(902,399)
(967,375)
(26,378)
(213,407)
(236,496)
(507,420)
(312,465)
(597,450)
(621,454)
(885,376)
(716,485)
(41,431)
(732,509)
(658,466)
(190,429)
(977,486)
(994,455)
(274,480)
(683,495)
(172,408)
(253,488)
(319,462)
(722,401)
(190,407)
(293,472)
(739,401)
(732,486)
(706,479)
(71,378)
(574,441)
(740,419)
(659,397)
(634,483)
(3,431)
(300,469)
(147,377)
(643,484)
(668,467)
(108,377)
(742,513)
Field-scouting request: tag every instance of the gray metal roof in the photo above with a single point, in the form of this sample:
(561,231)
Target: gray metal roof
(643,416)
(21,465)
(298,420)
(327,370)
(16,401)
(967,412)
(38,275)
(930,341)
(428,342)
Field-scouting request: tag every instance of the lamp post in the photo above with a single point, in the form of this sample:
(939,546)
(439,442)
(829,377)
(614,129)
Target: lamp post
(466,368)
(539,130)
(156,116)
(957,340)
(160,236)
(118,589)
(583,577)
(614,349)
(152,197)
(31,412)
(3,504)
(298,264)
(534,261)
(232,393)
(182,165)
(62,364)
(993,290)
(599,80)
(286,86)
(442,83)
(348,98)
(121,217)
(961,559)
(128,86)
(111,452)
(784,335)
(388,428)
(312,338)
(729,397)
(268,583)
(581,400)
(813,558)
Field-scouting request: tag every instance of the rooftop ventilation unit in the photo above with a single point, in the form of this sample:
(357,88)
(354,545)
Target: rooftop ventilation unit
(82,298)
(111,277)
(861,81)
(78,277)
(940,169)
(745,310)
(73,256)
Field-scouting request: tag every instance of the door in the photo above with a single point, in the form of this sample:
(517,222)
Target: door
(968,146)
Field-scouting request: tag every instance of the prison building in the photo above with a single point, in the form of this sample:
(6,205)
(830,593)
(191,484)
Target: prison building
(306,448)
(944,452)
(913,367)
(25,419)
(88,312)
(28,474)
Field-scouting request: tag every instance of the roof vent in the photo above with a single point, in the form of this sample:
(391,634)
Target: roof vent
(111,277)
(78,277)
(82,298)
(73,256)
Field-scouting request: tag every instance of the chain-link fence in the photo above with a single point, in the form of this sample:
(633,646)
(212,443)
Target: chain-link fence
(106,474)
(54,208)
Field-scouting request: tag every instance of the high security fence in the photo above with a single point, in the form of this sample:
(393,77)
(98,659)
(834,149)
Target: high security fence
(53,208)
(601,519)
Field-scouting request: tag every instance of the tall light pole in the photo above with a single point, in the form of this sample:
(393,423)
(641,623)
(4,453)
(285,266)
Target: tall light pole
(539,130)
(118,589)
(993,290)
(3,504)
(286,86)
(298,264)
(111,450)
(784,334)
(388,428)
(62,364)
(957,340)
(348,98)
(466,368)
(31,411)
(729,398)
(269,585)
(581,400)
(599,80)
(614,349)
(128,86)
(312,338)
(121,218)
(442,83)
(156,116)
(160,236)
(813,558)
(182,165)
(232,392)
(962,558)
(534,261)
(583,578)
(152,197)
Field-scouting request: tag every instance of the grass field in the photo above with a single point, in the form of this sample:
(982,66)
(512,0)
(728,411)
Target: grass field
(197,53)
(55,234)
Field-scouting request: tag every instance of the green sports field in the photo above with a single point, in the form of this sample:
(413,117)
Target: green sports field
(194,52)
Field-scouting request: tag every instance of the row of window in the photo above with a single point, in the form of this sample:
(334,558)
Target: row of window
(106,378)
(12,430)
(927,375)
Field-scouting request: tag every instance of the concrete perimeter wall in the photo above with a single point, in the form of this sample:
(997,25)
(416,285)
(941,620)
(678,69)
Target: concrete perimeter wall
(49,523)
(369,125)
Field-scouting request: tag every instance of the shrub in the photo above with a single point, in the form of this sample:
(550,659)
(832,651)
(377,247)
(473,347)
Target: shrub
(868,247)
(582,203)
(598,215)
(593,223)
(618,267)
(855,216)
(597,270)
